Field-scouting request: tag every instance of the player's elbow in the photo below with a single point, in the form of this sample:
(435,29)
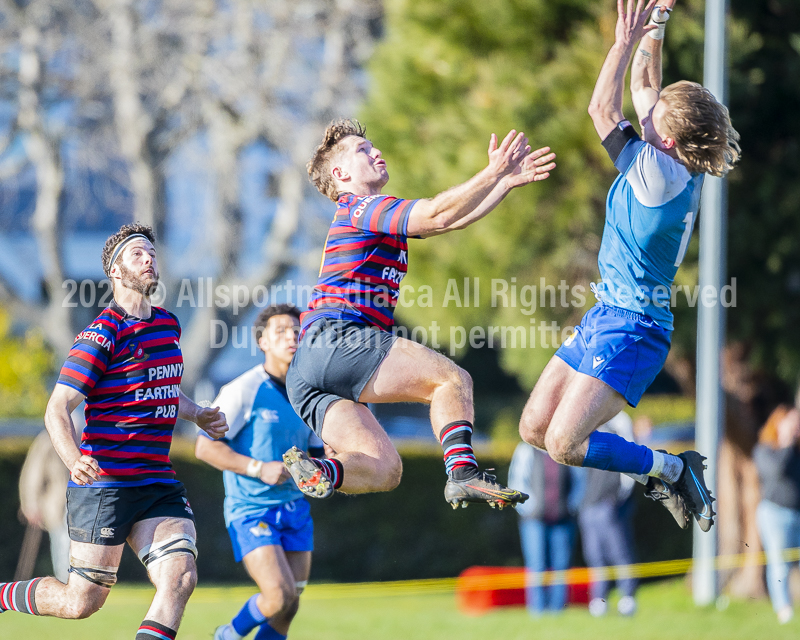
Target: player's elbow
(430,219)
(201,448)
(595,110)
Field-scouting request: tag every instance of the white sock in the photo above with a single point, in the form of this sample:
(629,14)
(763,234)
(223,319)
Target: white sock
(230,633)
(666,466)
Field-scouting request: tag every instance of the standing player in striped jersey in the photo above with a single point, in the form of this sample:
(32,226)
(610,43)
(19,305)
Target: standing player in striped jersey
(623,341)
(347,355)
(127,366)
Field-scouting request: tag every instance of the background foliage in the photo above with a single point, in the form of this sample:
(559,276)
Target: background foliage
(25,366)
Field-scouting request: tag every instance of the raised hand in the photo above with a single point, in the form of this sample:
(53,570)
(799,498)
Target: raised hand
(632,21)
(274,472)
(503,159)
(535,167)
(212,421)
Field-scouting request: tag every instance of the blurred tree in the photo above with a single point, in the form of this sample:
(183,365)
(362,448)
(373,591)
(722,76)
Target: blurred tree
(230,77)
(25,367)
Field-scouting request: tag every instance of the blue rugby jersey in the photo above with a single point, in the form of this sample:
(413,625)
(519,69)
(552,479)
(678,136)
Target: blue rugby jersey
(262,425)
(650,214)
(364,261)
(130,371)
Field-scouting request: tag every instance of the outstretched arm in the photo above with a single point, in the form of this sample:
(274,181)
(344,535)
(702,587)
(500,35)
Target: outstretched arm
(605,107)
(534,168)
(646,69)
(446,209)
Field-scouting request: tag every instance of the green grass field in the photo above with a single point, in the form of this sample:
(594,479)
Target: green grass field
(665,612)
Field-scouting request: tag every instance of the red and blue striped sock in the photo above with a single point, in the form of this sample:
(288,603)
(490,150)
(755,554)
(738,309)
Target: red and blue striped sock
(152,630)
(459,458)
(19,596)
(332,468)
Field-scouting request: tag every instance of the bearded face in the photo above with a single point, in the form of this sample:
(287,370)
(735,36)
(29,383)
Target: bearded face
(144,282)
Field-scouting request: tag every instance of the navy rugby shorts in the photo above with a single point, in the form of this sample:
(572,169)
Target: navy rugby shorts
(334,360)
(106,515)
(624,349)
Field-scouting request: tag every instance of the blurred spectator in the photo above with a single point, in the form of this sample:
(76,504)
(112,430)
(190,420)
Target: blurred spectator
(777,458)
(547,521)
(43,499)
(604,519)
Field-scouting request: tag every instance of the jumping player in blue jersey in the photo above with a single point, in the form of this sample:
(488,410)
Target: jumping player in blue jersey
(349,357)
(623,341)
(267,516)
(127,366)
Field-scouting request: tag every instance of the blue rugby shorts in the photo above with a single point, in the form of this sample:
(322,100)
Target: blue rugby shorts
(288,525)
(624,349)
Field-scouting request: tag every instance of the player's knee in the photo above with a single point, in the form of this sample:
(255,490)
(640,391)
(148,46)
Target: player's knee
(81,606)
(278,599)
(559,448)
(454,378)
(532,431)
(462,380)
(392,472)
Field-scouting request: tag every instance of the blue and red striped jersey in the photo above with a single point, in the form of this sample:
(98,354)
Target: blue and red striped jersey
(130,371)
(365,259)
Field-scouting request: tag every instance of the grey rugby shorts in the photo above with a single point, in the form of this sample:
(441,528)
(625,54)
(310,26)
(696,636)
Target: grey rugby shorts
(334,360)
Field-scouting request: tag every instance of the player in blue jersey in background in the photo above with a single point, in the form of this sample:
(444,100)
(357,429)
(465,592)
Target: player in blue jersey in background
(267,516)
(623,341)
(127,366)
(348,356)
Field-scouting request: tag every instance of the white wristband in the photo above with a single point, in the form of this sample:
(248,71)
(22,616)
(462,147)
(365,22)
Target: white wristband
(254,468)
(658,19)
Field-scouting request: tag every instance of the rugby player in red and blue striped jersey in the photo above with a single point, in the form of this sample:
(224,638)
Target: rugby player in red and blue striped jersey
(348,356)
(127,366)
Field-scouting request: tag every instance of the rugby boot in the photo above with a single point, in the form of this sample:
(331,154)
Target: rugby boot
(308,477)
(691,486)
(481,487)
(663,493)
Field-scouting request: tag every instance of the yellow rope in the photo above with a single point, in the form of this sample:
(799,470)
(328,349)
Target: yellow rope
(517,579)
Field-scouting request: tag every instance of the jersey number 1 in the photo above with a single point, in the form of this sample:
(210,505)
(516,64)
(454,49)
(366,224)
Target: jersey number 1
(687,234)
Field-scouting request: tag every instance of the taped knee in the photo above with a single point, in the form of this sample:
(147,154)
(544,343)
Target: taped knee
(94,573)
(301,585)
(180,544)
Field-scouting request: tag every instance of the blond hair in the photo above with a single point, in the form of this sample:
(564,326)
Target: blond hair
(320,165)
(705,140)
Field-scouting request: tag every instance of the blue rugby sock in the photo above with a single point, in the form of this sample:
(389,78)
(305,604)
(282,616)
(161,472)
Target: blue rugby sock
(248,618)
(266,632)
(611,452)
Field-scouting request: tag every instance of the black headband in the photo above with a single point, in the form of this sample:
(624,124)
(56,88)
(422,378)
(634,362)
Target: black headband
(121,246)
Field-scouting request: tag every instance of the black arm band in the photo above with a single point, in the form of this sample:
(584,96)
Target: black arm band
(316,452)
(620,136)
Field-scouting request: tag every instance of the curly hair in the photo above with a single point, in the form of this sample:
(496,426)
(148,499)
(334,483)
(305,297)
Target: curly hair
(273,310)
(319,167)
(125,231)
(705,139)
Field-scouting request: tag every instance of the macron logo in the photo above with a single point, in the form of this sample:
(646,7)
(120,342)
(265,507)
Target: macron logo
(597,361)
